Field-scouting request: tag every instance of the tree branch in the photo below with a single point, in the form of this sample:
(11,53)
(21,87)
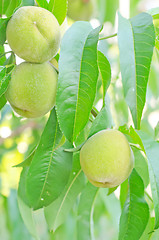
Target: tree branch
(19,130)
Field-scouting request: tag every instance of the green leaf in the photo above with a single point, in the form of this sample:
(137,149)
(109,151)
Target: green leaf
(152,152)
(134,9)
(105,70)
(135,59)
(27,161)
(153,82)
(107,10)
(111,190)
(123,192)
(13,218)
(57,212)
(154,12)
(50,167)
(42,3)
(157,131)
(133,134)
(59,9)
(7,7)
(27,3)
(25,210)
(155,235)
(78,73)
(112,209)
(102,121)
(141,166)
(156,25)
(2,55)
(85,213)
(135,213)
(149,230)
(10,60)
(2,101)
(3,26)
(4,80)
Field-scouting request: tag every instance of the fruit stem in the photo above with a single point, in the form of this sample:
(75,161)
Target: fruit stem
(5,53)
(76,149)
(110,36)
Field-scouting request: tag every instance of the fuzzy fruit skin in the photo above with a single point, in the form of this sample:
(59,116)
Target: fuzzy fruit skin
(32,89)
(107,159)
(33,33)
(80,10)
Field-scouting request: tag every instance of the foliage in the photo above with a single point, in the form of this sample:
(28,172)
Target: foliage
(104,81)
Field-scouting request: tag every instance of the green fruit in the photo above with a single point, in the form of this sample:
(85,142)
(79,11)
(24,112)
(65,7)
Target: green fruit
(80,10)
(33,33)
(32,89)
(106,158)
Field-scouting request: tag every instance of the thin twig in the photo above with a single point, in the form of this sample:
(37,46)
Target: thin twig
(111,36)
(148,196)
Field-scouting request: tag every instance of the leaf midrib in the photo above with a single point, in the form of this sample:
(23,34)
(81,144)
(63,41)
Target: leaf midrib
(79,88)
(135,73)
(51,8)
(67,192)
(49,163)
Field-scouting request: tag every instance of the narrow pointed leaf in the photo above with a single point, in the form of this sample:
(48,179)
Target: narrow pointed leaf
(59,9)
(102,121)
(133,134)
(105,70)
(123,192)
(157,131)
(10,60)
(135,59)
(85,213)
(50,167)
(2,101)
(154,12)
(57,212)
(4,80)
(25,210)
(141,166)
(78,74)
(13,220)
(3,26)
(7,7)
(27,3)
(152,153)
(27,161)
(107,10)
(111,190)
(135,213)
(2,51)
(42,3)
